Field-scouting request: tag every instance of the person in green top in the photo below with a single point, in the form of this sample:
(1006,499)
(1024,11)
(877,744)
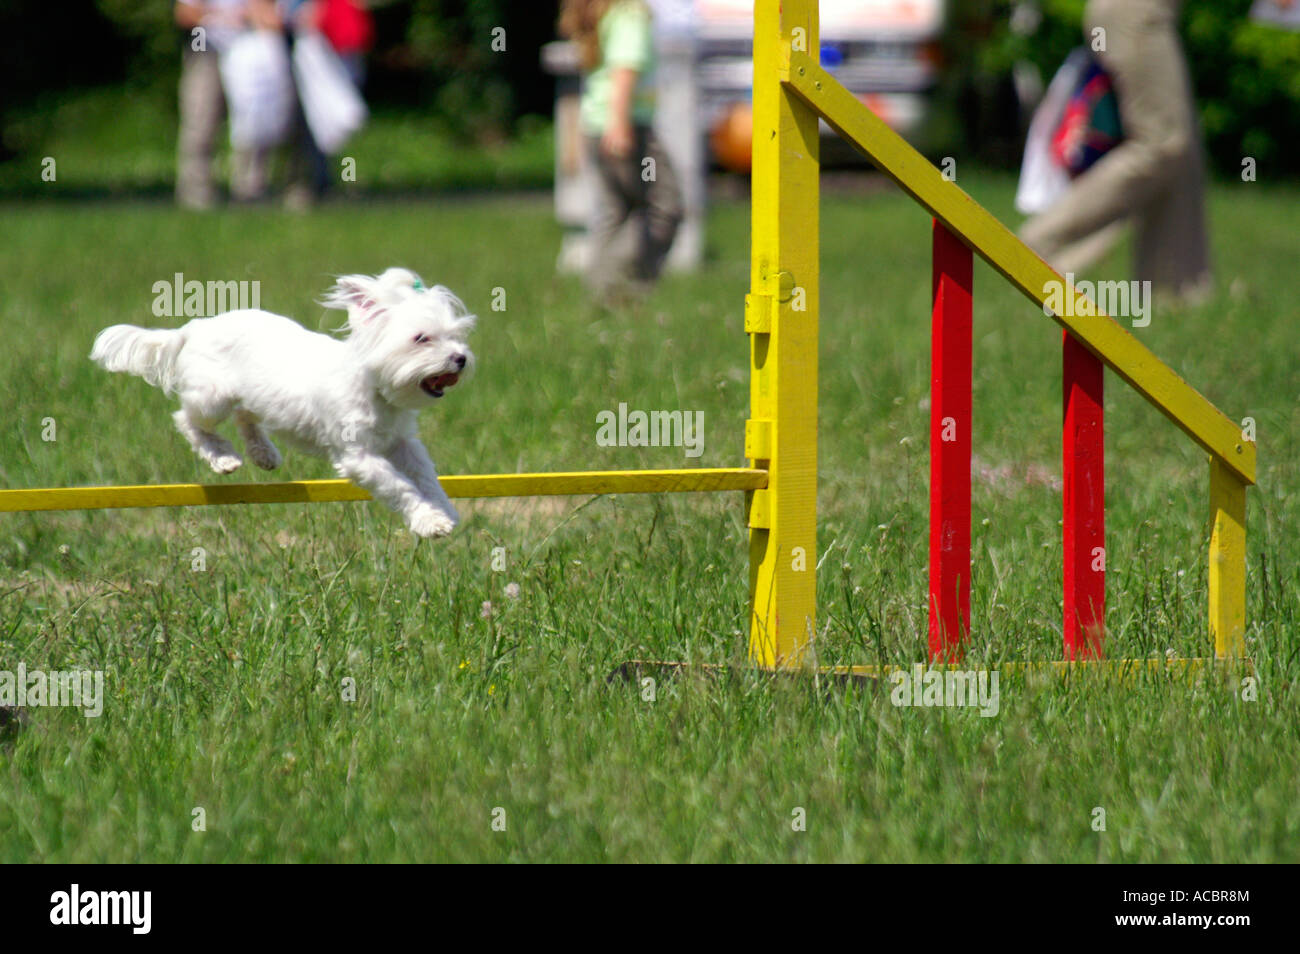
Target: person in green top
(638,201)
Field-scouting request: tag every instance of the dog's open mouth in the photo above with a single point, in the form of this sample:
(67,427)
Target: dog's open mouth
(434,384)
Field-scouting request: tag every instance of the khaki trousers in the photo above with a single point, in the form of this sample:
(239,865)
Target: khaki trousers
(1156,176)
(202,112)
(638,207)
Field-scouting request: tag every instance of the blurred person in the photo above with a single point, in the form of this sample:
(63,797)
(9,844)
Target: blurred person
(1155,176)
(347,29)
(202,101)
(350,28)
(308,169)
(638,200)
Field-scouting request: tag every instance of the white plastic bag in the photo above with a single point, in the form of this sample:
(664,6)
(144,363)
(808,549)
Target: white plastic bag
(259,89)
(333,107)
(1042,178)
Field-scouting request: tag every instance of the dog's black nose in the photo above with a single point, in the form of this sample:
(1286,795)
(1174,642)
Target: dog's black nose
(460,361)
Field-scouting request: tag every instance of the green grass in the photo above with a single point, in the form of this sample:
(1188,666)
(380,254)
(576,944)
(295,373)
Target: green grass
(224,685)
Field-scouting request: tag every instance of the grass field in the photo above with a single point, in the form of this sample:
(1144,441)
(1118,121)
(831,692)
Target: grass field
(223,685)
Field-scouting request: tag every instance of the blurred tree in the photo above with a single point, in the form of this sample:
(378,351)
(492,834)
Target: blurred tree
(1247,79)
(476,63)
(147,29)
(46,47)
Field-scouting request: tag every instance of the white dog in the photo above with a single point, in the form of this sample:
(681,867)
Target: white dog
(353,400)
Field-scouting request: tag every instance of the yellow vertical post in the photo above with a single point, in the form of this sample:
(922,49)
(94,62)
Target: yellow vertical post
(1227,561)
(781,318)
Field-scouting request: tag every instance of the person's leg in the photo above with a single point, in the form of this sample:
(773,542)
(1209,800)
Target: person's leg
(1144,58)
(248,173)
(308,168)
(320,165)
(1087,251)
(355,64)
(202,105)
(1171,247)
(315,164)
(662,205)
(305,163)
(613,254)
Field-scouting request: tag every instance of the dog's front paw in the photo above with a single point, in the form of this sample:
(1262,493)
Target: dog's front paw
(430,522)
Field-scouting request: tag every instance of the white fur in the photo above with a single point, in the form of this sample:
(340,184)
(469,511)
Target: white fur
(353,399)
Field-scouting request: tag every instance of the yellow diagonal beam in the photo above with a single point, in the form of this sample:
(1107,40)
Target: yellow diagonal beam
(1007,254)
(326,491)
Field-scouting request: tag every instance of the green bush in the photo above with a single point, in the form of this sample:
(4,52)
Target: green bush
(437,56)
(1247,78)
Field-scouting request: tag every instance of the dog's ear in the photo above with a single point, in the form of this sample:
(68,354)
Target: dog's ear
(358,295)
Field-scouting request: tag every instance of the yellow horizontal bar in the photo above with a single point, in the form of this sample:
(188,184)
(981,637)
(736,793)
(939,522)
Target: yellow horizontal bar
(1059,667)
(1095,668)
(1020,265)
(326,491)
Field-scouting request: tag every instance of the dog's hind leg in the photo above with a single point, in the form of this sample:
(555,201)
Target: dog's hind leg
(217,452)
(256,442)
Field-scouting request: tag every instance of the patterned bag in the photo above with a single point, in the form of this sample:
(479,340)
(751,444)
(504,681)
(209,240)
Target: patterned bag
(1090,126)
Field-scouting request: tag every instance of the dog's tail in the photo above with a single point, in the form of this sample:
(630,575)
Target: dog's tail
(149,352)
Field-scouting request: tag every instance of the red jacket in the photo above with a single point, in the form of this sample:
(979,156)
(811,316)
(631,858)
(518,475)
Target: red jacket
(349,27)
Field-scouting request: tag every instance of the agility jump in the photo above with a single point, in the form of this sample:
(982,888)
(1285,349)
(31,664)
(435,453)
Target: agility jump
(791,93)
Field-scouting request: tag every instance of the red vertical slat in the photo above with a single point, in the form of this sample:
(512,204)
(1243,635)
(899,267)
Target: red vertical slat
(1084,493)
(950,442)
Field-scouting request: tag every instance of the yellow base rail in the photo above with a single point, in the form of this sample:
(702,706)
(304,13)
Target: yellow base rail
(1190,668)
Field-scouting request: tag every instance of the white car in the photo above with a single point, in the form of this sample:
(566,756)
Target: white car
(885,51)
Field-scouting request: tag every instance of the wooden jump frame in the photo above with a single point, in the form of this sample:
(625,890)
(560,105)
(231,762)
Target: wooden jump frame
(791,93)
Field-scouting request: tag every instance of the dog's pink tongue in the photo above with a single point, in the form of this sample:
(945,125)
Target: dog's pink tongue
(445,380)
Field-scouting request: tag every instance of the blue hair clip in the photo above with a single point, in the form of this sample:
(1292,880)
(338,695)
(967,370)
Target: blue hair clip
(419,285)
